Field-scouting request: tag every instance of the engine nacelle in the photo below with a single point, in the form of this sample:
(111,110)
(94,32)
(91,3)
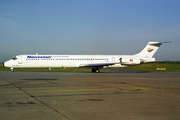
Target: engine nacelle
(130,61)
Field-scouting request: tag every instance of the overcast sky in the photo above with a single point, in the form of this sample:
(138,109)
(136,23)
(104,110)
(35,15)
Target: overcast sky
(105,27)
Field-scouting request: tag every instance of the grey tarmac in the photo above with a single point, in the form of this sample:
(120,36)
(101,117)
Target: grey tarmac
(114,95)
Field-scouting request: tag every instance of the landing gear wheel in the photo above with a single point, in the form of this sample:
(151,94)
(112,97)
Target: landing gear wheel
(95,70)
(12,70)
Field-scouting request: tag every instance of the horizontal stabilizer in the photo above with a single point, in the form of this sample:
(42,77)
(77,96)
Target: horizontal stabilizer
(160,43)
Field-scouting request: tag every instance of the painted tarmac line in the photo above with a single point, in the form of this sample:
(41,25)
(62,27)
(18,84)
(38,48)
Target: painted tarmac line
(107,89)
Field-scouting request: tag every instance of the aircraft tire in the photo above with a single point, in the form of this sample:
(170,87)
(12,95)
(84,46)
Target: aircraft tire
(12,70)
(93,70)
(97,71)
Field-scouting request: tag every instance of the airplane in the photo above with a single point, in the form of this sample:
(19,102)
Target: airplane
(95,62)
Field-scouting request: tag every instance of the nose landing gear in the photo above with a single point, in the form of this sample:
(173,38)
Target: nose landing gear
(12,70)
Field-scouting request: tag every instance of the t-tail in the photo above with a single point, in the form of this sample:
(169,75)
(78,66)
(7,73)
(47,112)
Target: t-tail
(151,49)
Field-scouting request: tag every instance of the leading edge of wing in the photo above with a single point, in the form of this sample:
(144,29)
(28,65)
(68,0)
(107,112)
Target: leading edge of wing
(96,64)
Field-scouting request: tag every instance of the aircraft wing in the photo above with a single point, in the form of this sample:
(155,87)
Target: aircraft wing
(97,64)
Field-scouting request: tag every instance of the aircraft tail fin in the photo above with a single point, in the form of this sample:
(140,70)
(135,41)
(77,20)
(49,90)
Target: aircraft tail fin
(151,49)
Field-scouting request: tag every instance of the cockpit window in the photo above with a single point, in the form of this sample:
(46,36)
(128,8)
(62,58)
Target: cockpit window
(14,58)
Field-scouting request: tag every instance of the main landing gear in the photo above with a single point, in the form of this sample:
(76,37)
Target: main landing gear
(96,70)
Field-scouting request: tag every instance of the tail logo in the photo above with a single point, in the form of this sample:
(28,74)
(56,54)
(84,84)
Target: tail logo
(150,49)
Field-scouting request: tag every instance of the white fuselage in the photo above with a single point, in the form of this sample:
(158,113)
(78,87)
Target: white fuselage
(86,61)
(59,61)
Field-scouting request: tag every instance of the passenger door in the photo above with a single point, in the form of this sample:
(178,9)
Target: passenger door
(20,60)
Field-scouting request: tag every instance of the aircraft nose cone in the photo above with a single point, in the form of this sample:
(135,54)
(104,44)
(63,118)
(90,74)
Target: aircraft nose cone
(4,64)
